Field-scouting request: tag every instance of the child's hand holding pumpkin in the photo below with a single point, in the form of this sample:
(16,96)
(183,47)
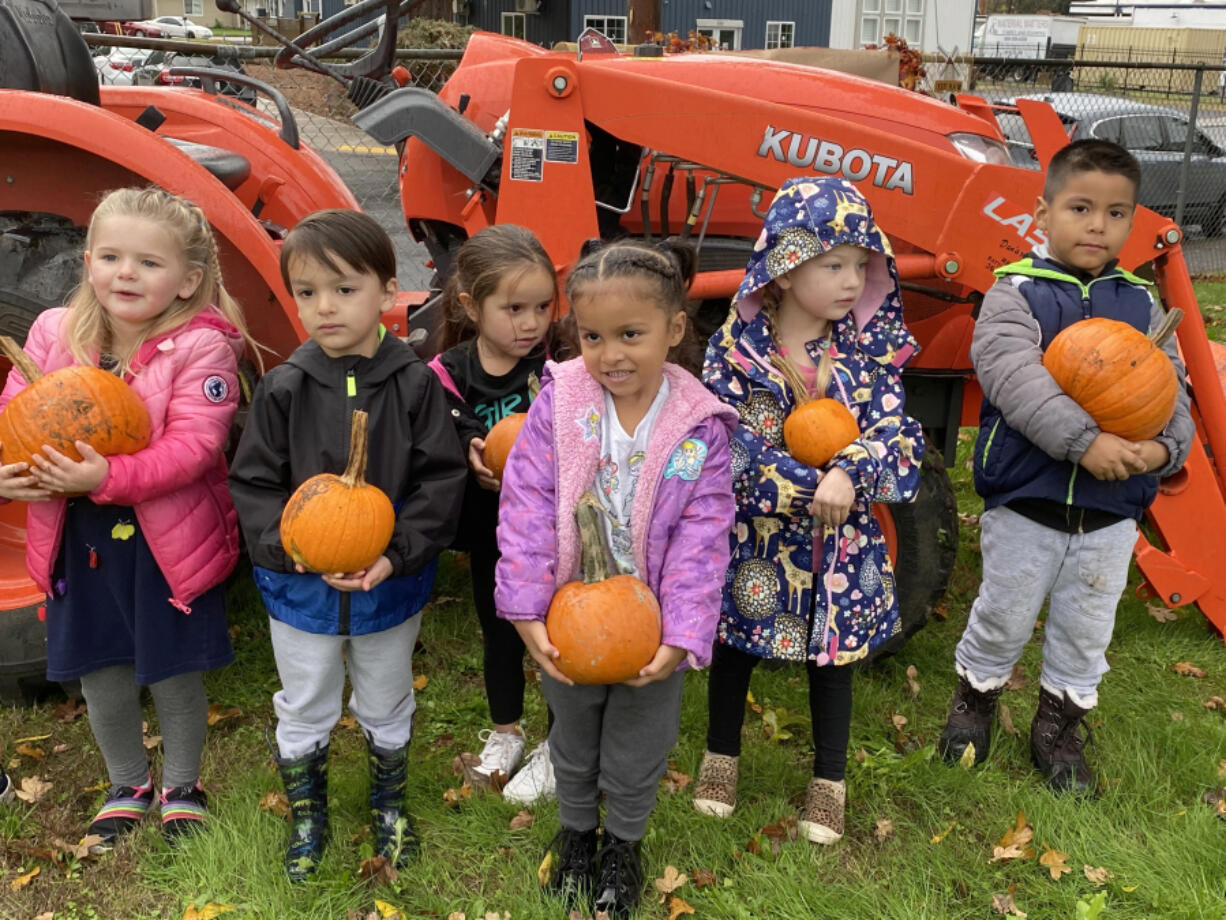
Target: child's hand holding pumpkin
(833,498)
(536,639)
(662,665)
(1111,458)
(19,484)
(476,462)
(66,476)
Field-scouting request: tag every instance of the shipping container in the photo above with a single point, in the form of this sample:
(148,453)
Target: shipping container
(1126,44)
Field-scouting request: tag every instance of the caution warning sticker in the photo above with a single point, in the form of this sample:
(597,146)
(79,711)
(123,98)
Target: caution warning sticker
(562,146)
(527,155)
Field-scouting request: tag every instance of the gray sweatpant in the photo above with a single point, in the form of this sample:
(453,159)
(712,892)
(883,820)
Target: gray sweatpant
(1025,562)
(613,739)
(312,670)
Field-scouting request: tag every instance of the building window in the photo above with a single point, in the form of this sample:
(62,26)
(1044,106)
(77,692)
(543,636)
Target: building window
(725,33)
(780,34)
(611,27)
(513,24)
(879,18)
(311,6)
(193,7)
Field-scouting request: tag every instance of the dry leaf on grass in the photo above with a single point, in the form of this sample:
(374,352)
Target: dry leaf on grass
(937,838)
(1015,844)
(968,520)
(49,915)
(899,721)
(32,738)
(377,869)
(22,880)
(347,722)
(1017,678)
(521,820)
(82,850)
(454,796)
(456,915)
(671,881)
(677,907)
(1006,722)
(1160,613)
(207,912)
(61,748)
(702,878)
(769,840)
(151,741)
(1215,702)
(32,789)
(544,870)
(29,750)
(220,713)
(1176,716)
(420,681)
(967,760)
(1098,875)
(389,911)
(885,829)
(674,780)
(1187,669)
(1055,862)
(1003,904)
(862,755)
(753,704)
(70,710)
(465,764)
(913,686)
(275,801)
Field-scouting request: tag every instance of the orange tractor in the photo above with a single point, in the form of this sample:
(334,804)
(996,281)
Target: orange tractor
(575,147)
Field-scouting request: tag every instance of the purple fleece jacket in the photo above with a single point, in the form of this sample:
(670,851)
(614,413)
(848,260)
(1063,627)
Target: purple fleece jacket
(681,517)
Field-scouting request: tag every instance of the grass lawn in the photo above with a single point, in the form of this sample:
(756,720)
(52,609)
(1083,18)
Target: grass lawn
(920,835)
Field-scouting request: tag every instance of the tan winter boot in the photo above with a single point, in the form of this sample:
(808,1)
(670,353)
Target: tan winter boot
(715,793)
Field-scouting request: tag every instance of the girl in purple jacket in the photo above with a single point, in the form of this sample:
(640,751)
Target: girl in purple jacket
(145,538)
(652,443)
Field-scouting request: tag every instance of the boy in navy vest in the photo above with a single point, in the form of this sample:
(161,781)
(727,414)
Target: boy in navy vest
(1061,497)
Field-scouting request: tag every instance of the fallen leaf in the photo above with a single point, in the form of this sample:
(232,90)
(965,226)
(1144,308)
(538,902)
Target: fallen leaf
(347,722)
(1055,862)
(968,520)
(522,819)
(388,911)
(671,881)
(1215,702)
(702,878)
(494,915)
(1187,669)
(208,912)
(967,760)
(1003,904)
(1015,844)
(49,915)
(674,780)
(543,870)
(218,713)
(862,755)
(454,796)
(32,738)
(360,836)
(70,710)
(420,681)
(29,750)
(456,915)
(1176,716)
(913,686)
(1098,875)
(899,721)
(275,801)
(1160,613)
(378,869)
(32,789)
(152,741)
(1221,769)
(61,748)
(446,739)
(22,880)
(677,907)
(753,704)
(937,838)
(80,850)
(1006,722)
(885,829)
(1017,678)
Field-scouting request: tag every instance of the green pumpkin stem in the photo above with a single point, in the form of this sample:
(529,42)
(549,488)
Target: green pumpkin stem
(1172,319)
(355,472)
(596,563)
(20,359)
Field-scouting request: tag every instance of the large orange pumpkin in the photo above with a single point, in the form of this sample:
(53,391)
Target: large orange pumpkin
(606,628)
(501,437)
(1119,375)
(339,523)
(76,403)
(816,429)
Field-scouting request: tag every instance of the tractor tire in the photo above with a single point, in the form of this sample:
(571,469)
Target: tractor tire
(40,264)
(927,532)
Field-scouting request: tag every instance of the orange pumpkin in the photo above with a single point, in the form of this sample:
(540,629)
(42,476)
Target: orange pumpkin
(500,440)
(606,628)
(816,429)
(76,403)
(1119,375)
(339,523)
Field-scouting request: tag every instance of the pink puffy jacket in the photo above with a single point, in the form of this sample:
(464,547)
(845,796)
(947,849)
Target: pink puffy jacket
(188,380)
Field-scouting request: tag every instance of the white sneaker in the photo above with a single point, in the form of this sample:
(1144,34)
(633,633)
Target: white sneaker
(533,783)
(502,753)
(7,789)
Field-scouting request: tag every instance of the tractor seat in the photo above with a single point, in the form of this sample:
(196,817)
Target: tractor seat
(233,169)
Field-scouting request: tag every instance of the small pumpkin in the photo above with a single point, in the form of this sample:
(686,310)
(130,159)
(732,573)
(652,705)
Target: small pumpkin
(606,627)
(75,403)
(339,523)
(501,437)
(816,429)
(1118,374)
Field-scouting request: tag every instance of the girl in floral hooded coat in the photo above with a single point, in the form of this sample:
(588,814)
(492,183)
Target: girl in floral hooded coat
(810,579)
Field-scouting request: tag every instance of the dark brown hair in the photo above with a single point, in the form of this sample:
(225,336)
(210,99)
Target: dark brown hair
(354,237)
(1090,155)
(669,265)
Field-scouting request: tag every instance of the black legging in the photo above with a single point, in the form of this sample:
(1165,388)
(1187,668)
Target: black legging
(829,708)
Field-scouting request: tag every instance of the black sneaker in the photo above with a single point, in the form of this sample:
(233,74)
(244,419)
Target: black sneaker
(971,714)
(123,810)
(574,871)
(620,882)
(184,810)
(1057,747)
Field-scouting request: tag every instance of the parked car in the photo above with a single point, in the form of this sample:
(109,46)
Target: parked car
(177,27)
(1154,134)
(142,27)
(118,67)
(155,72)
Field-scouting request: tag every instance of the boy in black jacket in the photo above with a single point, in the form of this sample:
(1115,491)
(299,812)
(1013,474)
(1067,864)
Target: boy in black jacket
(340,268)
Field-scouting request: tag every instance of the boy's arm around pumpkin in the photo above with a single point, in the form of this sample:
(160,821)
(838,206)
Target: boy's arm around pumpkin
(527,519)
(755,488)
(1007,354)
(1180,431)
(195,429)
(692,574)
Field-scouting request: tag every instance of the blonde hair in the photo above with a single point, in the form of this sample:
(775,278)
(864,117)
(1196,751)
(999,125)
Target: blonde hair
(791,372)
(87,328)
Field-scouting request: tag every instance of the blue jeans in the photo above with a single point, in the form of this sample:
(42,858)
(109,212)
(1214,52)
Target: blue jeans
(1024,563)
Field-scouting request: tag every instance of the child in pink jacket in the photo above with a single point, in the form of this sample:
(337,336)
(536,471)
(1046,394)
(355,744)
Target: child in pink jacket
(652,443)
(145,538)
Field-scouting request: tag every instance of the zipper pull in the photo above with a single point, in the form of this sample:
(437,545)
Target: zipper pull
(351,384)
(1085,307)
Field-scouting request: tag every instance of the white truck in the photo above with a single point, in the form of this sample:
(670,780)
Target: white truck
(1028,38)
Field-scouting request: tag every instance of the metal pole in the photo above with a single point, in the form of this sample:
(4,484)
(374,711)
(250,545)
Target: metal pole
(1182,193)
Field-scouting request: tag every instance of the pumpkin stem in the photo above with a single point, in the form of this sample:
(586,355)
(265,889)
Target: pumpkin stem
(596,563)
(356,470)
(800,389)
(20,359)
(1166,327)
